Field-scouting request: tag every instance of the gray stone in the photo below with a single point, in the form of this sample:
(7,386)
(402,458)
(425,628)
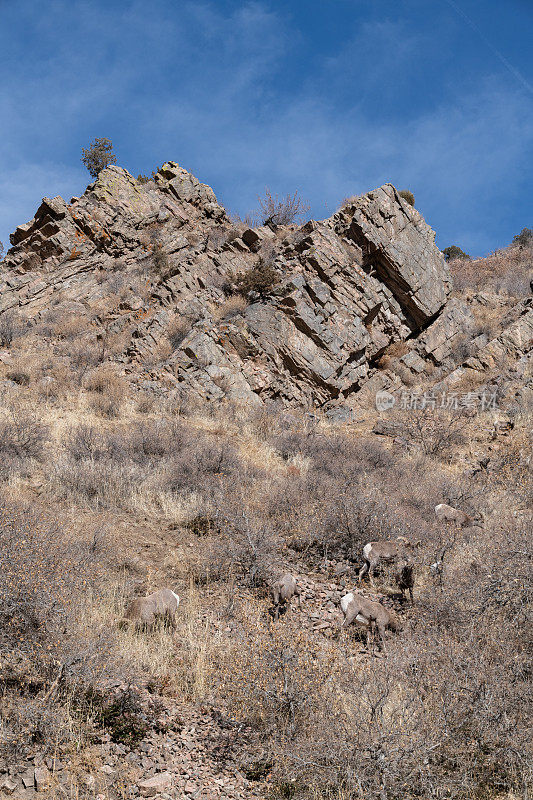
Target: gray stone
(41,778)
(156,784)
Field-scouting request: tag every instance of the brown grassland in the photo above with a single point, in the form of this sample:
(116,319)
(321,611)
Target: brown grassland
(108,493)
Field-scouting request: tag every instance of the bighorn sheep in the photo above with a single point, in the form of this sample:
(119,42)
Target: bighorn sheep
(374,552)
(405,578)
(370,614)
(446,513)
(282,592)
(143,612)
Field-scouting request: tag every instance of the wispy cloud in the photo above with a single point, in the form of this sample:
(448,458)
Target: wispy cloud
(212,87)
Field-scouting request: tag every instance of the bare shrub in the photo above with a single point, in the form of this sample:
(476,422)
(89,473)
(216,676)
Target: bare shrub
(435,433)
(86,442)
(10,328)
(145,402)
(160,260)
(19,377)
(177,330)
(504,270)
(22,434)
(155,440)
(45,650)
(83,356)
(246,548)
(229,308)
(204,461)
(348,201)
(407,196)
(35,581)
(108,392)
(261,278)
(100,484)
(281,210)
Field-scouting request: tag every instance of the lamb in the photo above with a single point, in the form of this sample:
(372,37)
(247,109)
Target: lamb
(405,578)
(144,612)
(282,592)
(388,551)
(446,513)
(371,615)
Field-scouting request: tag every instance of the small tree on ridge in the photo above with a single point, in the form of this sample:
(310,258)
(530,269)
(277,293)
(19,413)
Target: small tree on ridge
(98,156)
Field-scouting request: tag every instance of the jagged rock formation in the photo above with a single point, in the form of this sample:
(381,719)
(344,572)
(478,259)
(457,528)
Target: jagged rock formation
(349,287)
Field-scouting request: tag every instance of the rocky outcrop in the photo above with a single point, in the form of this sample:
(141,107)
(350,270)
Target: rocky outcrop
(347,288)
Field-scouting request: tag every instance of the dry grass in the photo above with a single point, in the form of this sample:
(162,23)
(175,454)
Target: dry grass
(284,492)
(508,271)
(229,308)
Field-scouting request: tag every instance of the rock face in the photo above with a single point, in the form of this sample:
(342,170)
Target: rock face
(348,287)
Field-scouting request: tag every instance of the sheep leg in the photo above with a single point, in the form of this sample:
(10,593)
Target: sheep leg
(364,569)
(411,595)
(381,630)
(171,621)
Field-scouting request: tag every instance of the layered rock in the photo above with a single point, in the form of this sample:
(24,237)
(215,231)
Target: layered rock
(347,288)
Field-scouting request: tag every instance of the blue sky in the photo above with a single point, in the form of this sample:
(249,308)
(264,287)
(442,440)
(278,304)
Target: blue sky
(329,97)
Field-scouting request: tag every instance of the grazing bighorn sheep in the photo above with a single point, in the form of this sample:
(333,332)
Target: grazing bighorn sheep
(143,612)
(405,578)
(282,592)
(446,513)
(374,552)
(370,614)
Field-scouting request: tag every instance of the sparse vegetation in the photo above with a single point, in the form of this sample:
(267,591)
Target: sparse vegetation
(524,238)
(281,210)
(98,156)
(261,279)
(146,178)
(118,478)
(10,328)
(507,270)
(453,252)
(407,196)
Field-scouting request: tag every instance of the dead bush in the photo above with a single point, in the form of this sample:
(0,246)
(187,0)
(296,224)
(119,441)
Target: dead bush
(178,329)
(83,357)
(281,210)
(100,484)
(155,440)
(202,465)
(229,308)
(433,432)
(259,279)
(10,328)
(22,435)
(508,270)
(108,392)
(19,377)
(408,196)
(46,650)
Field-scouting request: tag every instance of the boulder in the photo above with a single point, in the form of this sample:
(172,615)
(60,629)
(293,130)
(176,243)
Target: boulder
(155,785)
